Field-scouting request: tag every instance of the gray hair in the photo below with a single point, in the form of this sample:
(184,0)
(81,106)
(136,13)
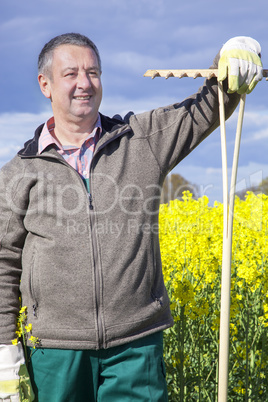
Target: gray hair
(46,55)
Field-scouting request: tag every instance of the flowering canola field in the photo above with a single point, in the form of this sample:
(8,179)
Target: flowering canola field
(191,248)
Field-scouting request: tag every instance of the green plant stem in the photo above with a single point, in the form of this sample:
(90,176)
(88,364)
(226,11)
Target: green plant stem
(199,366)
(23,340)
(247,350)
(181,343)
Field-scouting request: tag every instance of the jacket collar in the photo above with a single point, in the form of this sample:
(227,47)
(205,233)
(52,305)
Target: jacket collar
(111,128)
(31,147)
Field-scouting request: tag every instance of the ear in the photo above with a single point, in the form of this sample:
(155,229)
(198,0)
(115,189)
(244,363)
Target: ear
(44,83)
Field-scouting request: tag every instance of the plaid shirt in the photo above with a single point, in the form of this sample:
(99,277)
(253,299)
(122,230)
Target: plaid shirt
(78,158)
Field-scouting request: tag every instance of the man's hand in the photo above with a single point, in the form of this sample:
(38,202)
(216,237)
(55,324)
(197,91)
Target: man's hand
(15,385)
(240,61)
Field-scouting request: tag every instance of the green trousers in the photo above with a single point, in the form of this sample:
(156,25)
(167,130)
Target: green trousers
(132,372)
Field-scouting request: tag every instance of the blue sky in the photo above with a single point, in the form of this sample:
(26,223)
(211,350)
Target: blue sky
(133,36)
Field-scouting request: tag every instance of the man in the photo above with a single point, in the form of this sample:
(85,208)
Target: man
(79,240)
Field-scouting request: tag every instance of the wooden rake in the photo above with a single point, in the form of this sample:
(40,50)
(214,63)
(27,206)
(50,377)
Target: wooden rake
(228,212)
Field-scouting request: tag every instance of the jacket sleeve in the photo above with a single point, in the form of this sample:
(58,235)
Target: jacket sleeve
(12,236)
(174,131)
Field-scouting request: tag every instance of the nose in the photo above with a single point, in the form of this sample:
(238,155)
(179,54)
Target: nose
(83,81)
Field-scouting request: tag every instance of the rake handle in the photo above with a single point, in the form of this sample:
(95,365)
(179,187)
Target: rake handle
(228,213)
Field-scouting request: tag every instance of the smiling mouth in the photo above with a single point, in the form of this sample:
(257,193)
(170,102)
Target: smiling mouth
(82,97)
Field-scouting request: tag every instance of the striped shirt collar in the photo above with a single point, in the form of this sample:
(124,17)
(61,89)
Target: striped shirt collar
(46,137)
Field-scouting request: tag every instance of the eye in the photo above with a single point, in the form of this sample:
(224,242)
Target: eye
(93,73)
(70,74)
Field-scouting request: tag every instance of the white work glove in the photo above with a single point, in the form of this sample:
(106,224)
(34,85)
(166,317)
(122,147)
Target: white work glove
(15,383)
(240,61)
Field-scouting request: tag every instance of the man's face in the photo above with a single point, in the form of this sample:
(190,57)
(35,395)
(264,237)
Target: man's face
(75,86)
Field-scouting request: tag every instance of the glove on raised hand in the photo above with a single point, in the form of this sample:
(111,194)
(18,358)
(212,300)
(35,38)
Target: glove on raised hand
(240,61)
(15,385)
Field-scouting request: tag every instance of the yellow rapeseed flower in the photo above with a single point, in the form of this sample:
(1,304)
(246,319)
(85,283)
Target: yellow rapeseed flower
(191,249)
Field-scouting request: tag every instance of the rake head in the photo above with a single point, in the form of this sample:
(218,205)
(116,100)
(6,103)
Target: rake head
(193,73)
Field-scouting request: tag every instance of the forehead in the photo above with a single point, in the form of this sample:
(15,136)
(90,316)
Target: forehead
(72,55)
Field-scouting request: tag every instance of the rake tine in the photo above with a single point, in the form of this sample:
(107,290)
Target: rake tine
(155,74)
(169,74)
(211,75)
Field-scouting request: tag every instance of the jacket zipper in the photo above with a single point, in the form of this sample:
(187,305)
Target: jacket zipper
(90,201)
(95,261)
(95,248)
(97,278)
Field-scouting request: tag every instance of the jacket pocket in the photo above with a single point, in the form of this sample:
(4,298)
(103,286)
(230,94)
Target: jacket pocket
(34,283)
(158,301)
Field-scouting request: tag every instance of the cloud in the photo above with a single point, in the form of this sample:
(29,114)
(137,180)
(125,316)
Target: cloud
(261,134)
(135,62)
(258,123)
(16,129)
(209,179)
(19,24)
(6,151)
(121,105)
